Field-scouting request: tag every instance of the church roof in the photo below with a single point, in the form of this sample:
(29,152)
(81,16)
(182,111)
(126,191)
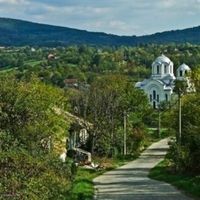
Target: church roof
(184,67)
(163,58)
(138,84)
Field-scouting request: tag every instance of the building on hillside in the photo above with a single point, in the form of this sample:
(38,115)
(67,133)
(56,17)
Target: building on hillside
(71,83)
(159,87)
(78,136)
(76,84)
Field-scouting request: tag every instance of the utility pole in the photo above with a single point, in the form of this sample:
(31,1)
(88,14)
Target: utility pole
(180,120)
(181,87)
(125,126)
(159,123)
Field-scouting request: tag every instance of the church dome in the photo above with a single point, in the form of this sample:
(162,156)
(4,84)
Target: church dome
(138,84)
(162,59)
(161,67)
(182,71)
(184,67)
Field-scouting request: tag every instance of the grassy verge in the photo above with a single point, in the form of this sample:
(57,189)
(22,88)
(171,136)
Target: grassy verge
(187,183)
(83,188)
(153,134)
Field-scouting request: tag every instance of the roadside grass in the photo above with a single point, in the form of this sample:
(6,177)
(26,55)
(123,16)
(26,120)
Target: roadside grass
(153,133)
(189,184)
(153,136)
(83,186)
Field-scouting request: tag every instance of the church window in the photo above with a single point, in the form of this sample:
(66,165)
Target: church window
(186,72)
(166,97)
(165,69)
(154,94)
(181,73)
(157,98)
(158,69)
(154,105)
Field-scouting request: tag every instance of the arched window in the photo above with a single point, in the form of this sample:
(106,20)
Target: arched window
(181,73)
(166,97)
(157,98)
(186,72)
(158,69)
(165,69)
(154,94)
(154,105)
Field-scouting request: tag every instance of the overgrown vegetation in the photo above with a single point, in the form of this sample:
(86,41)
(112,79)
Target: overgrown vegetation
(29,164)
(182,165)
(185,151)
(185,156)
(104,105)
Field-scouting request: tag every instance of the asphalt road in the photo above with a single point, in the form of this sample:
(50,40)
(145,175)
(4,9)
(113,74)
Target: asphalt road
(131,182)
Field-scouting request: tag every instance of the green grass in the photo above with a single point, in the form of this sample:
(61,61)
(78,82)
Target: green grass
(83,186)
(7,69)
(187,183)
(153,133)
(33,62)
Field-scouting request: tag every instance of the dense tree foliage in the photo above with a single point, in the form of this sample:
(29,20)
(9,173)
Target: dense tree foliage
(105,105)
(185,156)
(29,132)
(185,153)
(85,63)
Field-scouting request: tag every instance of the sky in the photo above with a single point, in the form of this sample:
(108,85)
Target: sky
(121,17)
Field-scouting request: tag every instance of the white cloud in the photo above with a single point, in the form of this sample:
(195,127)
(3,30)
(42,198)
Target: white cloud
(14,2)
(168,4)
(124,17)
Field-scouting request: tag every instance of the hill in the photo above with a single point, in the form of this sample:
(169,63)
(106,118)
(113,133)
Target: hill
(19,33)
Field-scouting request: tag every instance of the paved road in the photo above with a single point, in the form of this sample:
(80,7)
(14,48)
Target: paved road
(131,182)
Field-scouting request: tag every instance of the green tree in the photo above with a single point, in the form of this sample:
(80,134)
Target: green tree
(186,156)
(30,130)
(108,98)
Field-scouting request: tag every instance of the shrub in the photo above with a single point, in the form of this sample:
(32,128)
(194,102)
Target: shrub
(186,155)
(23,176)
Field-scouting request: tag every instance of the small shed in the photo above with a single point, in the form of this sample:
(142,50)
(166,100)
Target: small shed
(78,134)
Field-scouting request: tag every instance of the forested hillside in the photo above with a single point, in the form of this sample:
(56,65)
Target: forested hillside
(85,63)
(19,33)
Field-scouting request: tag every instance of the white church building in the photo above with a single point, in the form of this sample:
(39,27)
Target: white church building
(159,87)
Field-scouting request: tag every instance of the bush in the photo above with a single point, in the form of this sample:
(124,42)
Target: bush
(29,132)
(186,156)
(136,140)
(23,176)
(179,155)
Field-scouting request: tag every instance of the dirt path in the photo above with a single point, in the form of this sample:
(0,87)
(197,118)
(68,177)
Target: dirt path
(131,182)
